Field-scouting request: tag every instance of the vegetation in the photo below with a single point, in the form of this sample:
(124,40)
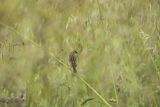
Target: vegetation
(118,44)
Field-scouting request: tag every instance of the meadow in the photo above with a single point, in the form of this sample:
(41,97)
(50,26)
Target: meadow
(118,45)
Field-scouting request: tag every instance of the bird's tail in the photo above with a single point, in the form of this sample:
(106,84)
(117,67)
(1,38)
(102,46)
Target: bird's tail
(74,69)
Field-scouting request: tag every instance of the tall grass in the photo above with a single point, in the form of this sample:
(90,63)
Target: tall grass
(118,43)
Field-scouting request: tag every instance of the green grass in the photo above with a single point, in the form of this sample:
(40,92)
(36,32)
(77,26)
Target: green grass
(118,44)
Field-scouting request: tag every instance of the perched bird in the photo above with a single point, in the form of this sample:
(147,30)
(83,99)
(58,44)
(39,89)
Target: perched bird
(73,60)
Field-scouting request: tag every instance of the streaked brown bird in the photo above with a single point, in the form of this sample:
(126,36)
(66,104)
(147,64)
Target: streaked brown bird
(73,60)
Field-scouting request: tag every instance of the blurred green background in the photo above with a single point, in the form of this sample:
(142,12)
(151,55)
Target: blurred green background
(118,42)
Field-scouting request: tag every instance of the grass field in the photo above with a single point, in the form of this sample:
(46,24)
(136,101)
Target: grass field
(118,44)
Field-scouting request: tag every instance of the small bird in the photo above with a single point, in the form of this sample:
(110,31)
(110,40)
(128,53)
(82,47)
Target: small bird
(73,60)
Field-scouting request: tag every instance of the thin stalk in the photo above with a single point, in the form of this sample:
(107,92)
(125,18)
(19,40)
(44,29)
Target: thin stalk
(115,90)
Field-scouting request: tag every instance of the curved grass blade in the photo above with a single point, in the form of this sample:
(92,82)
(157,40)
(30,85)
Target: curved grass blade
(87,100)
